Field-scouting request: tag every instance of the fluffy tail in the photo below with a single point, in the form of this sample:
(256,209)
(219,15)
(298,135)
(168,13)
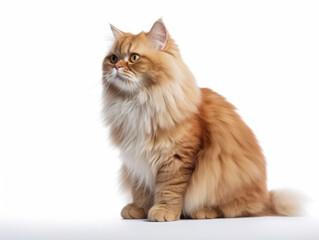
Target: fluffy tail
(287,203)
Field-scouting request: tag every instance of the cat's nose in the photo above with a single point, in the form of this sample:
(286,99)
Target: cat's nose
(117,66)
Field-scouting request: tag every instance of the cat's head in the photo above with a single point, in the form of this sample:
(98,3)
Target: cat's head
(139,62)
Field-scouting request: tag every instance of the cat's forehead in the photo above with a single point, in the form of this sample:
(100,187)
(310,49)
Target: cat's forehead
(129,43)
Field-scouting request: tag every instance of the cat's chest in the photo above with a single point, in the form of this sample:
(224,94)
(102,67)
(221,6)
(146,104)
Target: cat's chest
(134,122)
(143,165)
(131,121)
(140,168)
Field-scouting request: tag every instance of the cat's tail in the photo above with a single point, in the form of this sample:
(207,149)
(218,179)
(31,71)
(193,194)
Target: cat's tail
(285,202)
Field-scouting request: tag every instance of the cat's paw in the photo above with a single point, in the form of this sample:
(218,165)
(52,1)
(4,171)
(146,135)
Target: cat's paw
(160,213)
(132,212)
(204,213)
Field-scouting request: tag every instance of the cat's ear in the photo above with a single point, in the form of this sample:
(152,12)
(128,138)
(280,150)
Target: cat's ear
(158,34)
(116,32)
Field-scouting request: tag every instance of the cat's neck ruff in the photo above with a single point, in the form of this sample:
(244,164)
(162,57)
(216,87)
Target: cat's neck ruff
(139,118)
(137,122)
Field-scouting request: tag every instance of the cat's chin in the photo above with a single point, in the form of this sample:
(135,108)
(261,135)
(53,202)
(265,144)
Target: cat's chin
(124,86)
(121,78)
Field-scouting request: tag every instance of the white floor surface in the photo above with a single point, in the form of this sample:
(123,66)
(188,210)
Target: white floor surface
(303,228)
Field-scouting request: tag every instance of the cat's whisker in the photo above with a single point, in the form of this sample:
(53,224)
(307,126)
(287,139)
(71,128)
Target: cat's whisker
(107,77)
(130,74)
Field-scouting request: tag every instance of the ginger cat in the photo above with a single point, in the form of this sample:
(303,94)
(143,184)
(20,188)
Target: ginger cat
(185,151)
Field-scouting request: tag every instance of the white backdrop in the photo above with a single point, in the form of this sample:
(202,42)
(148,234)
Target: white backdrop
(56,162)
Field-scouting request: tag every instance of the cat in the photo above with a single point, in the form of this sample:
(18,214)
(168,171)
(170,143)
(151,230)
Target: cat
(186,152)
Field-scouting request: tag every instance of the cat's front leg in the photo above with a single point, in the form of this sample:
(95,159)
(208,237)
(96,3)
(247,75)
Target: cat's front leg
(142,198)
(171,182)
(138,209)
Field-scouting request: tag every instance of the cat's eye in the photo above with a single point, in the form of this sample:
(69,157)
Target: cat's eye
(134,58)
(113,59)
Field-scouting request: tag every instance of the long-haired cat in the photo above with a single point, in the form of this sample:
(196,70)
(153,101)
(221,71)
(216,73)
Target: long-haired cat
(185,150)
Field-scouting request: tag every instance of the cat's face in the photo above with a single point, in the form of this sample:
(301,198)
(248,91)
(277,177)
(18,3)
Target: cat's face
(137,62)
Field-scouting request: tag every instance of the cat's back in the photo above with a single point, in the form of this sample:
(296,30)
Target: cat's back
(223,124)
(215,109)
(214,103)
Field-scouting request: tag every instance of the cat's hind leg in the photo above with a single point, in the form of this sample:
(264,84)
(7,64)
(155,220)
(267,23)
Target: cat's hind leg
(244,207)
(205,213)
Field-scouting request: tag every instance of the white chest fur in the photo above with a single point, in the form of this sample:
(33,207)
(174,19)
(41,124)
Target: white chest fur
(134,119)
(140,168)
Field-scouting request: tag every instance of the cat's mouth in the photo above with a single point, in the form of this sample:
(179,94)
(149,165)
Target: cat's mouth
(122,78)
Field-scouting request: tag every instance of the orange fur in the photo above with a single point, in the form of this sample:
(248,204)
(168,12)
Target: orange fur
(185,150)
